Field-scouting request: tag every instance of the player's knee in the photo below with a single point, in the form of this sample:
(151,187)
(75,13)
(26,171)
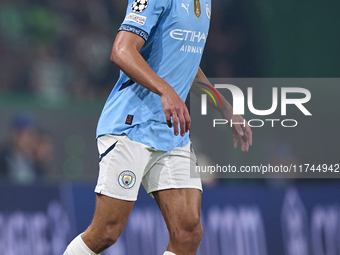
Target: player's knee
(111,234)
(191,222)
(196,233)
(184,238)
(190,232)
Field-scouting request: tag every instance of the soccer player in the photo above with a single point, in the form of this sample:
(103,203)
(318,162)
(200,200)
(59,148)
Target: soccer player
(142,133)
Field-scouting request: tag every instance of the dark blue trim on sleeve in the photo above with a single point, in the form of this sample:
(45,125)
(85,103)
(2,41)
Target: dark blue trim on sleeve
(135,30)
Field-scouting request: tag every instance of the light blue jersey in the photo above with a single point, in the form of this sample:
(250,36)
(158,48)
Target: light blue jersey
(174,41)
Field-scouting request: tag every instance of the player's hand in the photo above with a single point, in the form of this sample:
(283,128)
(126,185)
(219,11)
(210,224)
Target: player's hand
(174,107)
(240,131)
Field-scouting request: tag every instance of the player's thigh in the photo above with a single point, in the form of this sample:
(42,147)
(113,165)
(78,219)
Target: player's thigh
(110,217)
(111,210)
(181,208)
(121,167)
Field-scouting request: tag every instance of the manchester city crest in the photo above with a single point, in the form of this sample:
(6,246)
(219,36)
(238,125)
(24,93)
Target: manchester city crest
(207,8)
(127,179)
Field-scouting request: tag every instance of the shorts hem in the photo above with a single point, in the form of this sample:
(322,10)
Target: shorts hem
(108,194)
(172,187)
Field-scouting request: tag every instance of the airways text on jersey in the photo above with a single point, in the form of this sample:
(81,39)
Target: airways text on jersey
(190,39)
(187,35)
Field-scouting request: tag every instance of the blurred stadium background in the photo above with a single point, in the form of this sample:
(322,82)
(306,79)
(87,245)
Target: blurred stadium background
(55,76)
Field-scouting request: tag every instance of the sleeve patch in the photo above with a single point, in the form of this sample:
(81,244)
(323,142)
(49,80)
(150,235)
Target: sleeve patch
(136,18)
(135,30)
(139,5)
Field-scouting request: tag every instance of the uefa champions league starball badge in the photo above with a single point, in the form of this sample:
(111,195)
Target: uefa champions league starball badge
(127,179)
(139,6)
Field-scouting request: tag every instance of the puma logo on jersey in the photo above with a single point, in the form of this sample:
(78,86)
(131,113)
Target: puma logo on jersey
(186,7)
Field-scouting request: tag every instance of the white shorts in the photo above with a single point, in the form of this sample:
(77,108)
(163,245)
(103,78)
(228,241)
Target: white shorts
(125,164)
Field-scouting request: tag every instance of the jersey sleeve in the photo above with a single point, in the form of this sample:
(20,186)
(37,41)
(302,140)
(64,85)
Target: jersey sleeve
(142,16)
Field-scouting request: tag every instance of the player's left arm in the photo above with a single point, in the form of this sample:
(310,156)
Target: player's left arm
(226,110)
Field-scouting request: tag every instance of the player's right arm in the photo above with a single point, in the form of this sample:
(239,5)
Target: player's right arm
(125,54)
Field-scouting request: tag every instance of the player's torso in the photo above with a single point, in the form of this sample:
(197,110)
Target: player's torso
(174,45)
(173,49)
